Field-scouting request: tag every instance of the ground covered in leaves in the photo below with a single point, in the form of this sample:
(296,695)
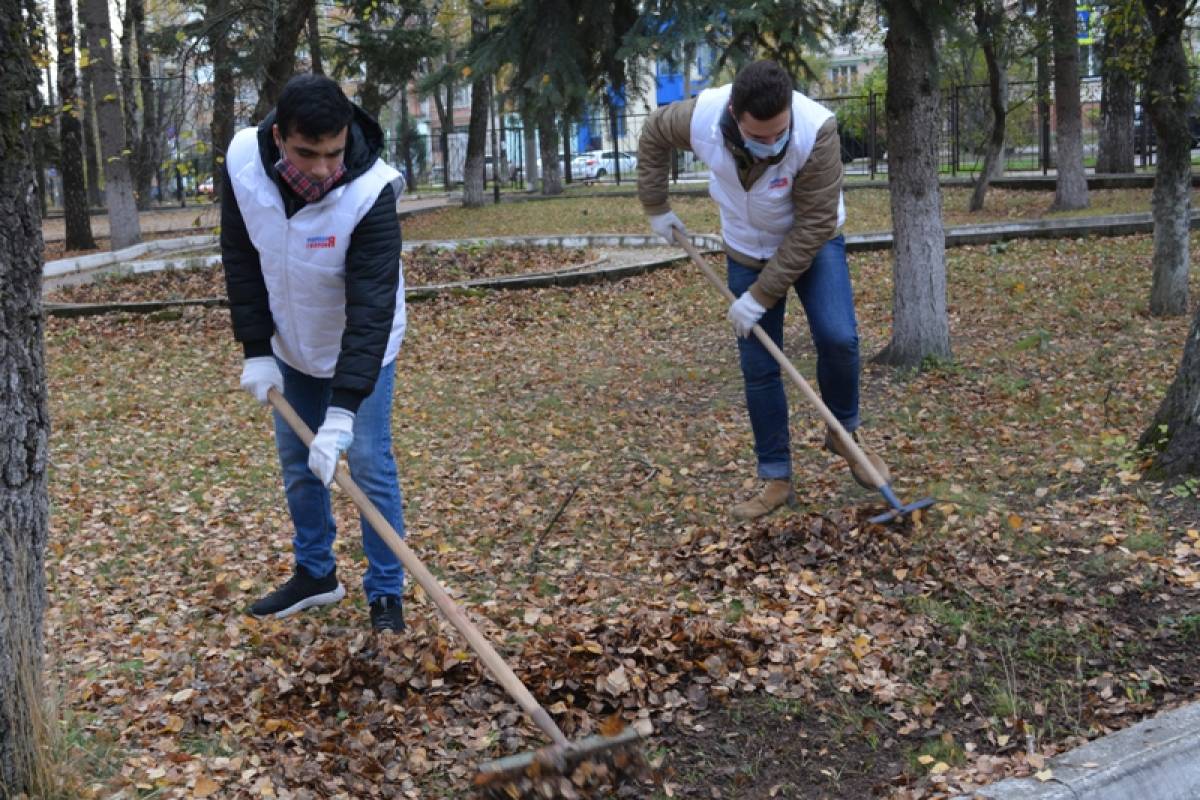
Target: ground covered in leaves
(567,457)
(422,266)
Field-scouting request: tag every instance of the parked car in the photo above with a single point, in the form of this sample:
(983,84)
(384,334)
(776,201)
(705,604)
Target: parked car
(596,164)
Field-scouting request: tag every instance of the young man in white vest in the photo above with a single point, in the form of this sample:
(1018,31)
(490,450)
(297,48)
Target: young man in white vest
(311,246)
(776,175)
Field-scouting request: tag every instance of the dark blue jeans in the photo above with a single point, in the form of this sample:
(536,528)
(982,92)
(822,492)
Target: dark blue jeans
(824,291)
(371,464)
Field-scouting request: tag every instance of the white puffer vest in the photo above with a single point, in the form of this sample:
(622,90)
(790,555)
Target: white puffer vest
(304,258)
(754,222)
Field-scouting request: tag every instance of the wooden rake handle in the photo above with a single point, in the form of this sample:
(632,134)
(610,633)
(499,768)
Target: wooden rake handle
(478,642)
(847,441)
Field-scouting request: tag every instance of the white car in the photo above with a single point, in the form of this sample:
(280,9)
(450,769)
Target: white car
(596,164)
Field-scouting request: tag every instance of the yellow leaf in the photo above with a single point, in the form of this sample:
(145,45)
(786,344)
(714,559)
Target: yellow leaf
(925,760)
(1044,775)
(1015,521)
(939,768)
(205,786)
(174,723)
(466,72)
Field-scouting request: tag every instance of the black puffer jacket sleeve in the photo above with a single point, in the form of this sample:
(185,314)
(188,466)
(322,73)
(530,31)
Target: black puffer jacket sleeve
(372,279)
(249,307)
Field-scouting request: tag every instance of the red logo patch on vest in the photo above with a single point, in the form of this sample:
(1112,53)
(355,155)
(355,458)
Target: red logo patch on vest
(320,242)
(778,183)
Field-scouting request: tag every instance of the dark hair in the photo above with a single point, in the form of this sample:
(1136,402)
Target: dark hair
(763,89)
(313,106)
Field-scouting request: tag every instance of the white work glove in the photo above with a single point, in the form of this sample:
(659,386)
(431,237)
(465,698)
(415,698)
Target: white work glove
(261,374)
(665,224)
(744,313)
(333,438)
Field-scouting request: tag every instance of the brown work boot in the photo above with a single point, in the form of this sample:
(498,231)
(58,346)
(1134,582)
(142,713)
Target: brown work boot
(775,493)
(834,445)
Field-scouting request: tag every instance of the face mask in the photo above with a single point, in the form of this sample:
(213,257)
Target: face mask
(302,185)
(765,151)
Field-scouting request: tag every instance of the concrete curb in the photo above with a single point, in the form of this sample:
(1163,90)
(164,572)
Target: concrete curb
(592,272)
(95,261)
(1156,759)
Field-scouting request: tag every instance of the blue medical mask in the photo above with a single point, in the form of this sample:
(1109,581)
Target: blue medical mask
(765,151)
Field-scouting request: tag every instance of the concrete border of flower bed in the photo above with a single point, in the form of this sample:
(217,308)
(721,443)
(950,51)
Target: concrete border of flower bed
(986,233)
(592,272)
(1156,759)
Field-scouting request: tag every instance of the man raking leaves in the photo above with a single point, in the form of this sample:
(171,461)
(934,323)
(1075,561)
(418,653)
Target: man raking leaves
(776,175)
(311,245)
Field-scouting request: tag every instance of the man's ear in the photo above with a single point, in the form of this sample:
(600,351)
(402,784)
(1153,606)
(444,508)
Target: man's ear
(276,136)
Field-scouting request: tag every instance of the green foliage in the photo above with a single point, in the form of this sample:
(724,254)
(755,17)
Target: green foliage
(385,41)
(791,32)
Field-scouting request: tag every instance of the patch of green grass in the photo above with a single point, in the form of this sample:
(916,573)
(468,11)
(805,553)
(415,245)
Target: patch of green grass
(943,750)
(1152,542)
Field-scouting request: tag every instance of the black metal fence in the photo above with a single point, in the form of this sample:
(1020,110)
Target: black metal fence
(962,139)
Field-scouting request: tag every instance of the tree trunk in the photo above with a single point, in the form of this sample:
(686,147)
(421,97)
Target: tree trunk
(147,153)
(91,146)
(445,112)
(1117,95)
(1070,188)
(370,95)
(278,54)
(1168,83)
(221,129)
(548,141)
(1174,434)
(70,131)
(24,421)
(406,139)
(314,41)
(989,22)
(129,100)
(529,138)
(1043,93)
(481,97)
(124,229)
(921,326)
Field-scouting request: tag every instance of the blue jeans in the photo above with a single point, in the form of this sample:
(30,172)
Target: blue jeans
(371,464)
(824,291)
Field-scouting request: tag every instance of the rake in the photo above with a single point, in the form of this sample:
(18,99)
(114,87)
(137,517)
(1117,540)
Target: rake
(558,757)
(897,509)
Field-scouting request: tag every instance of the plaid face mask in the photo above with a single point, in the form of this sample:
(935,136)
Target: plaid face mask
(301,184)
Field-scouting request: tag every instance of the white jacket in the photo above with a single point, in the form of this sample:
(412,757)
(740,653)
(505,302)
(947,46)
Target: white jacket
(755,222)
(304,258)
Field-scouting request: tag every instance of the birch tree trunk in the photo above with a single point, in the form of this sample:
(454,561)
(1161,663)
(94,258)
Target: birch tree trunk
(123,224)
(24,422)
(1168,82)
(75,201)
(920,323)
(1070,189)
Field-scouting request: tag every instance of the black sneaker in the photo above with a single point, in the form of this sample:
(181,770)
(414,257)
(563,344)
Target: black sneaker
(300,592)
(387,614)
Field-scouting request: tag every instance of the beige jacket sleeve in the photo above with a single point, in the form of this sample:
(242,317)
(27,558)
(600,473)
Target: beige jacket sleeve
(816,189)
(666,129)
